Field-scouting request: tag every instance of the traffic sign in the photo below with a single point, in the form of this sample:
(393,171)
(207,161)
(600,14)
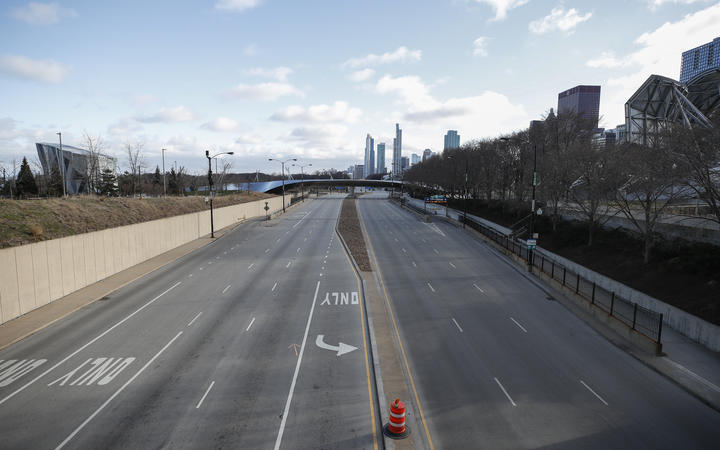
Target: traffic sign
(531,243)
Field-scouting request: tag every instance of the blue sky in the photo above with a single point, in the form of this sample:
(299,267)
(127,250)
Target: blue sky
(308,79)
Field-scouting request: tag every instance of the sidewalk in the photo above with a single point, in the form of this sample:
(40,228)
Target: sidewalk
(687,363)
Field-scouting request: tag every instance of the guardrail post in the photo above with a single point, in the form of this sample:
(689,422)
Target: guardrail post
(552,270)
(634,316)
(592,299)
(577,285)
(660,328)
(612,302)
(564,273)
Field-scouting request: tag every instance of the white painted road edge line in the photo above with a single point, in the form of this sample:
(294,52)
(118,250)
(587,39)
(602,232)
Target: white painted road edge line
(228,287)
(478,288)
(251,322)
(457,325)
(297,370)
(594,393)
(11,395)
(273,288)
(205,395)
(518,324)
(430,286)
(127,383)
(694,375)
(505,392)
(194,318)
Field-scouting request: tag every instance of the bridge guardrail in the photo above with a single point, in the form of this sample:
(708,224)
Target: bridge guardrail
(640,319)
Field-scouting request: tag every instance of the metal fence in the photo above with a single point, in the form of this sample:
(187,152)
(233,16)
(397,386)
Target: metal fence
(634,316)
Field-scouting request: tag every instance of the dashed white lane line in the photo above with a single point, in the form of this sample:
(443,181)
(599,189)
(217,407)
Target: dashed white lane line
(305,240)
(288,264)
(201,268)
(127,383)
(414,265)
(457,325)
(404,251)
(195,318)
(436,252)
(23,387)
(251,322)
(250,266)
(190,276)
(396,240)
(594,393)
(478,288)
(226,289)
(424,241)
(505,392)
(518,324)
(452,265)
(277,240)
(430,286)
(267,250)
(206,393)
(273,288)
(298,250)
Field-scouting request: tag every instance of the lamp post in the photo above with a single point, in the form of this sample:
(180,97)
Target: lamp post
(282,164)
(302,178)
(465,196)
(164,176)
(210,186)
(62,160)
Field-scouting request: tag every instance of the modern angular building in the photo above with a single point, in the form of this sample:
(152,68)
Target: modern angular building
(414,159)
(75,165)
(404,163)
(583,100)
(397,151)
(699,60)
(452,140)
(427,154)
(380,158)
(369,166)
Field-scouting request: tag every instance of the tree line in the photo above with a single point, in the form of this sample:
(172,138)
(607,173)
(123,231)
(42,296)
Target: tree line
(593,180)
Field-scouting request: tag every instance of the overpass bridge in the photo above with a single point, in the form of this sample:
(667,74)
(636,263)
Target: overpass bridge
(275,187)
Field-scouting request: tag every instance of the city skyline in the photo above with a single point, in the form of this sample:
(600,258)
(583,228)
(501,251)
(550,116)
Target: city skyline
(251,79)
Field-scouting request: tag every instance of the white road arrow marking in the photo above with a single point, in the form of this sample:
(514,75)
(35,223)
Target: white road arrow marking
(341,349)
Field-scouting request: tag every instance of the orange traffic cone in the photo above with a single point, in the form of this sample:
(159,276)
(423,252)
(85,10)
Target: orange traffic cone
(396,428)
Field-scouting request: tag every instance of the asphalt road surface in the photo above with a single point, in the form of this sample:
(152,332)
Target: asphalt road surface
(498,364)
(237,345)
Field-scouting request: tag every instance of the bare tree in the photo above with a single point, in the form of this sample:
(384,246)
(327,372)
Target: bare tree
(135,163)
(94,145)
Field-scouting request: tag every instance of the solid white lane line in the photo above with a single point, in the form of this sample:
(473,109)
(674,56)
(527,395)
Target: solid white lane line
(505,392)
(288,264)
(478,288)
(452,265)
(518,324)
(127,383)
(194,318)
(228,287)
(11,395)
(251,322)
(594,393)
(250,266)
(297,370)
(457,325)
(274,286)
(430,286)
(205,395)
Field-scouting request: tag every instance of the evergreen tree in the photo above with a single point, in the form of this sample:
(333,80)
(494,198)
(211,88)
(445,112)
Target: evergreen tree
(173,181)
(157,177)
(26,180)
(55,187)
(108,183)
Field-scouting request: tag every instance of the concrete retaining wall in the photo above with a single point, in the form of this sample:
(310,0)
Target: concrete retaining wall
(36,274)
(684,323)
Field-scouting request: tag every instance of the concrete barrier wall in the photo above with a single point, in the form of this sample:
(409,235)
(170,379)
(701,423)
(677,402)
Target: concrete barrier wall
(36,274)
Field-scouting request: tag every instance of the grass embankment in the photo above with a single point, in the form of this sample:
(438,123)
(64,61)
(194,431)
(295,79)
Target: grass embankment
(27,221)
(349,228)
(682,273)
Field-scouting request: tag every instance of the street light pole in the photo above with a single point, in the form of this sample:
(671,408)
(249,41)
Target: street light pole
(466,193)
(210,186)
(282,165)
(302,178)
(164,177)
(62,160)
(532,217)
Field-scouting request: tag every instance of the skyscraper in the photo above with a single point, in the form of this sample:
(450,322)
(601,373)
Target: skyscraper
(414,159)
(380,158)
(369,166)
(426,154)
(404,163)
(700,59)
(452,140)
(397,151)
(582,100)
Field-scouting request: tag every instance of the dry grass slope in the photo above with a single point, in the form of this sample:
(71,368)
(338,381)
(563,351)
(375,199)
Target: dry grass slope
(27,221)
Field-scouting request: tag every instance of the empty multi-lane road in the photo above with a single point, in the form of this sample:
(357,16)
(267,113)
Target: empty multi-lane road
(258,340)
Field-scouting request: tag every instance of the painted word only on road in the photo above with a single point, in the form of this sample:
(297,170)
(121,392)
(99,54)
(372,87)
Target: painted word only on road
(340,299)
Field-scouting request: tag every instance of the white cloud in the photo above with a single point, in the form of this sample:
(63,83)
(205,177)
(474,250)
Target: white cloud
(278,73)
(123,128)
(559,20)
(251,50)
(654,4)
(337,112)
(221,124)
(143,99)
(41,13)
(46,70)
(606,60)
(264,91)
(237,5)
(502,7)
(480,46)
(402,54)
(168,115)
(361,75)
